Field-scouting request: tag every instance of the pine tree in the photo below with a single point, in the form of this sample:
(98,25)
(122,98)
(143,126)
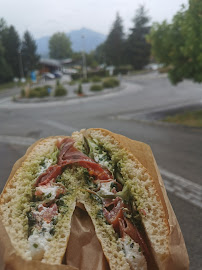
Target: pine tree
(29,55)
(5,69)
(11,43)
(137,48)
(115,43)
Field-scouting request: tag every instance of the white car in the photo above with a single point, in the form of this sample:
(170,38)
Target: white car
(48,76)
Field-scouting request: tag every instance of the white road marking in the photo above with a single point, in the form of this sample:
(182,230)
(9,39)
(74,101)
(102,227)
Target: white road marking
(182,188)
(64,127)
(3,100)
(17,140)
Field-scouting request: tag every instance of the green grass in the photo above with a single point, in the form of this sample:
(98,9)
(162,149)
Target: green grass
(189,118)
(139,72)
(4,86)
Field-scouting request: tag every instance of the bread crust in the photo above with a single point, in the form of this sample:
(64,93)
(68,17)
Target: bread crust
(177,257)
(19,163)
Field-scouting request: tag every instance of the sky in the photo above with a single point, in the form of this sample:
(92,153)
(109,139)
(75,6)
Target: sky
(45,17)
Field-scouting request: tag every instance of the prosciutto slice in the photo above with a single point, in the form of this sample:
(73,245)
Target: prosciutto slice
(70,155)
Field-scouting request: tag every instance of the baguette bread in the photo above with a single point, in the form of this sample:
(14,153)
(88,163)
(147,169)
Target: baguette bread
(95,169)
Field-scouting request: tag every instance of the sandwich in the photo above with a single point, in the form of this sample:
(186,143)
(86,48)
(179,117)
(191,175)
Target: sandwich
(91,168)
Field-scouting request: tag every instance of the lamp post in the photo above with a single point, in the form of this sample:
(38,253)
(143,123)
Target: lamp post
(20,63)
(84,57)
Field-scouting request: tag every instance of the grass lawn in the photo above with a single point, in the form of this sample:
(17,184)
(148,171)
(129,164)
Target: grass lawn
(8,85)
(190,118)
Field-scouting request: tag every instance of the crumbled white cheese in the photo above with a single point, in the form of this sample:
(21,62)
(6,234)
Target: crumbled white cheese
(47,163)
(48,190)
(133,253)
(105,189)
(38,241)
(99,158)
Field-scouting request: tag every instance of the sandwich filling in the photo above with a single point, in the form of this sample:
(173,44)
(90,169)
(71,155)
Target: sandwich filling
(103,182)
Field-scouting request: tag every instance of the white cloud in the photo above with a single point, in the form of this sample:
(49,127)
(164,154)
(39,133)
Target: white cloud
(44,17)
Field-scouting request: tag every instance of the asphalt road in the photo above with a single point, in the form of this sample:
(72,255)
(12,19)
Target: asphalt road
(177,150)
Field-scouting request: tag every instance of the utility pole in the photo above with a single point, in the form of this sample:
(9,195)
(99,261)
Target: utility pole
(84,57)
(20,64)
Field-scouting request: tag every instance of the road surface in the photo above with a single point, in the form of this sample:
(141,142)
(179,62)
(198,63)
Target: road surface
(177,150)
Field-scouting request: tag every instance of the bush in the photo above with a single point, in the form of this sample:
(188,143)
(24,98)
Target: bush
(72,83)
(85,80)
(96,79)
(96,87)
(91,74)
(38,92)
(22,93)
(110,83)
(80,90)
(76,76)
(123,70)
(164,69)
(60,91)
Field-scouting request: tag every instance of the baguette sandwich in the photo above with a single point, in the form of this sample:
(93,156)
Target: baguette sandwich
(91,168)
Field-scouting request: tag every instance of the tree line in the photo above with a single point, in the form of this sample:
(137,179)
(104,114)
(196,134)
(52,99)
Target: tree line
(14,51)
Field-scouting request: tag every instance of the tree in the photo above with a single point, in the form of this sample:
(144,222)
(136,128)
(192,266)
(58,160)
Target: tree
(137,48)
(11,43)
(100,54)
(115,43)
(159,38)
(60,46)
(178,45)
(5,69)
(3,27)
(29,56)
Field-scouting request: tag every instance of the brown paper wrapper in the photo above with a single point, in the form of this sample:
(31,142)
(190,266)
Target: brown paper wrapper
(84,250)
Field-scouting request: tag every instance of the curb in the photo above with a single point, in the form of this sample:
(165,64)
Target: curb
(51,99)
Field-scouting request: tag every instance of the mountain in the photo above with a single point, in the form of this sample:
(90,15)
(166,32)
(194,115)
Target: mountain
(90,41)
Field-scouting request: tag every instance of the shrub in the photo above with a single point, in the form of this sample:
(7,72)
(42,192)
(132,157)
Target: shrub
(85,80)
(80,90)
(72,83)
(60,91)
(38,92)
(110,83)
(123,70)
(91,74)
(22,93)
(164,69)
(96,79)
(76,76)
(96,87)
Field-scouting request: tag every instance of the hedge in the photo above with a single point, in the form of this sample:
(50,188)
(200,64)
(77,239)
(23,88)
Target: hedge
(96,87)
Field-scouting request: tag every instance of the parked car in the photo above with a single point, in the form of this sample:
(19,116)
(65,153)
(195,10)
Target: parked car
(48,76)
(57,74)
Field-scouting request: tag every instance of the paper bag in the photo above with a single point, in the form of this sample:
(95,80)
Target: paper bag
(84,250)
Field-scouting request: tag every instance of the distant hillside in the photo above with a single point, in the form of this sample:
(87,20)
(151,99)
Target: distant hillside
(91,40)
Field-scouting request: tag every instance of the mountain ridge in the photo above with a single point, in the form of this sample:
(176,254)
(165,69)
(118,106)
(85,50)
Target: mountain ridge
(91,40)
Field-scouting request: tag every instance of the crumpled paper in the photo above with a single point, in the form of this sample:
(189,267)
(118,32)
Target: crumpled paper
(84,251)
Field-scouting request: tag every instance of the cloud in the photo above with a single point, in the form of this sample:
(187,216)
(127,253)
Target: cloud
(48,16)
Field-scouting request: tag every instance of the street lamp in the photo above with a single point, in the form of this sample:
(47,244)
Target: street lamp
(20,63)
(84,57)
